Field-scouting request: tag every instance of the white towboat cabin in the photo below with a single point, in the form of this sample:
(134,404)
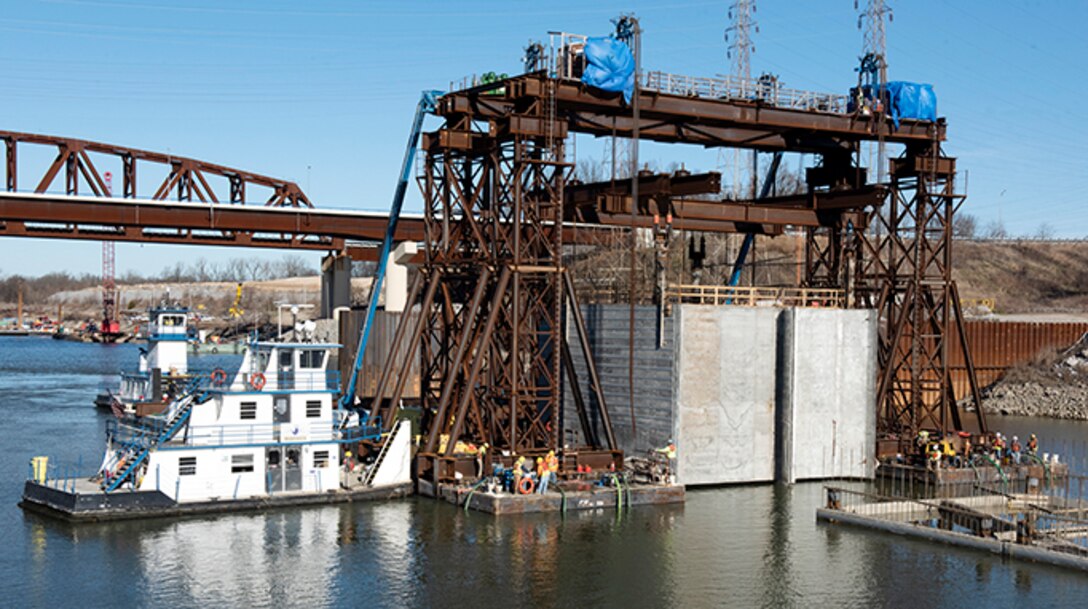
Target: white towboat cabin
(269,431)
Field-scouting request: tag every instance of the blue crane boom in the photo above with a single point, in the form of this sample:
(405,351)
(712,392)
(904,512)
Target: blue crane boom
(426,106)
(764,191)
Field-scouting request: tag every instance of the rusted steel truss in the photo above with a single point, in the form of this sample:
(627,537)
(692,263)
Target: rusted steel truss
(493,330)
(904,270)
(186,179)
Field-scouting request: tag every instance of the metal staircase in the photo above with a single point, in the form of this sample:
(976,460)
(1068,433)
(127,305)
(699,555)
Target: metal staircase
(145,438)
(373,471)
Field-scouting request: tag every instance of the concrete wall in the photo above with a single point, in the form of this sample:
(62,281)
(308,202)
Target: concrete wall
(726,394)
(749,394)
(832,354)
(654,376)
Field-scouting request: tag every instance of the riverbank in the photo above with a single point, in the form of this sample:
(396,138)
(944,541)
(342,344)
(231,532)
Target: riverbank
(1053,385)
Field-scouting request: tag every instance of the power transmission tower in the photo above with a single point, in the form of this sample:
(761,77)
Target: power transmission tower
(739,50)
(874,63)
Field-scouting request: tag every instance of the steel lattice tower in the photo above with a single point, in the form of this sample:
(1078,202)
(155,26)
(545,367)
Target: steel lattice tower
(739,50)
(875,59)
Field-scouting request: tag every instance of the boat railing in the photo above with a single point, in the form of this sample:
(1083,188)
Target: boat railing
(316,380)
(57,475)
(262,433)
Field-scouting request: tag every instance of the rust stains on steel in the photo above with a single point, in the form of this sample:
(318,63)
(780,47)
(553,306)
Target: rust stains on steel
(997,346)
(103,218)
(675,118)
(186,178)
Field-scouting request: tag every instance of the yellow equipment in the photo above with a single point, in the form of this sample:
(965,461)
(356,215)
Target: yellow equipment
(236,310)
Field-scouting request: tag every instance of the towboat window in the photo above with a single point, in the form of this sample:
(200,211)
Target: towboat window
(312,358)
(187,466)
(313,409)
(321,458)
(273,458)
(173,320)
(249,411)
(292,457)
(262,361)
(285,359)
(240,464)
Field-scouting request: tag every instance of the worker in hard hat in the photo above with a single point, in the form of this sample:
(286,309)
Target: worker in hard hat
(553,466)
(1033,445)
(481,460)
(519,470)
(541,475)
(934,461)
(1014,450)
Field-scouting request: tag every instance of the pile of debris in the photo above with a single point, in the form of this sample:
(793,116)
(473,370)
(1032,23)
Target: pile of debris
(1053,385)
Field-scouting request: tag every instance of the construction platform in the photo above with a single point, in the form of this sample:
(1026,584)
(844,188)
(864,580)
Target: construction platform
(958,481)
(1024,526)
(79,500)
(561,500)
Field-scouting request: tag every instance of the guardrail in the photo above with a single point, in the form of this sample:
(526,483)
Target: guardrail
(757,296)
(751,89)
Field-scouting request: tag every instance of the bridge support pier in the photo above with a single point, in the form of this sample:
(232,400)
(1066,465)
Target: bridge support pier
(335,283)
(395,286)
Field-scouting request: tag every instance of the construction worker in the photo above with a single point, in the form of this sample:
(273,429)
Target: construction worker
(481,460)
(1033,445)
(519,470)
(999,447)
(553,466)
(922,440)
(541,475)
(1014,450)
(934,456)
(669,452)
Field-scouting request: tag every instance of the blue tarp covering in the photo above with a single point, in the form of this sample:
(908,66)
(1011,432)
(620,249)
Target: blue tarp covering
(911,100)
(610,66)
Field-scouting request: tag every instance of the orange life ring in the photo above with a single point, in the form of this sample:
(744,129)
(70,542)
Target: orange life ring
(526,486)
(256,381)
(219,377)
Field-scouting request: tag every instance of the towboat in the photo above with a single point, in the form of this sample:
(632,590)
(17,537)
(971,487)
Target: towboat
(163,370)
(268,434)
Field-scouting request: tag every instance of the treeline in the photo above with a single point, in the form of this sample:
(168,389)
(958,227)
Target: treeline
(235,269)
(37,289)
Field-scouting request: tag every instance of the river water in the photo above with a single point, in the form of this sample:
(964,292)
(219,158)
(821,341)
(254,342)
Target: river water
(749,546)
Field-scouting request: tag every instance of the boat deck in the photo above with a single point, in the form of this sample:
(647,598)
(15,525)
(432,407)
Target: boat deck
(81,500)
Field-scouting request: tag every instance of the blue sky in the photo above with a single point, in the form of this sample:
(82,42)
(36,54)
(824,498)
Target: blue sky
(323,92)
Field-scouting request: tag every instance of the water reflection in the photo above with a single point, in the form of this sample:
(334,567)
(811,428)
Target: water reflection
(744,546)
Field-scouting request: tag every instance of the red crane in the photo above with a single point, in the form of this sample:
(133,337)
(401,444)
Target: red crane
(111,328)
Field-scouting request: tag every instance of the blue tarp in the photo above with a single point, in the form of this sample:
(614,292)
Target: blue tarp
(911,100)
(610,66)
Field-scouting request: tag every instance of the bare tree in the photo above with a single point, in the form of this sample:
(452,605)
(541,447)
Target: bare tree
(995,230)
(964,226)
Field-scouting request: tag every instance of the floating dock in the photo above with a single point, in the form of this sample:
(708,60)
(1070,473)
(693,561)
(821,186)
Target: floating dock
(1025,526)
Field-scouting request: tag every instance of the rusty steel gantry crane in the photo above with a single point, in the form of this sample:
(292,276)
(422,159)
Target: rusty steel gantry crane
(494,289)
